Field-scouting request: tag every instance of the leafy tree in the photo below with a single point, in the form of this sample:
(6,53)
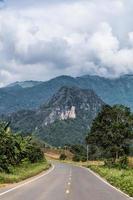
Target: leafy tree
(8,148)
(79,152)
(33,151)
(112,131)
(14,149)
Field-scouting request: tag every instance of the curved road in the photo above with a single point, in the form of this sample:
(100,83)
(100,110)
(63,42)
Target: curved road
(63,182)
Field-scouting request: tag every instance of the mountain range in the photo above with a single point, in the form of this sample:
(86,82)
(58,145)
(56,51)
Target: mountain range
(61,111)
(30,94)
(64,119)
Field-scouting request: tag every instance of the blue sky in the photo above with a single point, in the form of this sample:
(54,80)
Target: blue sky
(41,39)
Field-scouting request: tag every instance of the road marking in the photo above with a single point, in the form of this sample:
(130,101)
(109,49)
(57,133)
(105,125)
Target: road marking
(69,183)
(67,191)
(23,184)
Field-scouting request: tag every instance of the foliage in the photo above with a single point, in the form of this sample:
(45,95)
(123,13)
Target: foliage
(79,152)
(123,162)
(123,179)
(112,132)
(76,158)
(15,148)
(63,156)
(23,171)
(64,132)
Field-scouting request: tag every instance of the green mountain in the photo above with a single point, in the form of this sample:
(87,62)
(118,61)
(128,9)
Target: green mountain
(65,118)
(111,91)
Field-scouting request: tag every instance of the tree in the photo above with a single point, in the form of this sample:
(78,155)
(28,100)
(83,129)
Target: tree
(14,148)
(7,148)
(63,156)
(79,152)
(112,131)
(33,151)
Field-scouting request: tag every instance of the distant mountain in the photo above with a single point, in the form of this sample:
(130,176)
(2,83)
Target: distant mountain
(111,91)
(66,117)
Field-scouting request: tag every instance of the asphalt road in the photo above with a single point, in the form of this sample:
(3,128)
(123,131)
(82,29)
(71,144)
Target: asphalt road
(63,182)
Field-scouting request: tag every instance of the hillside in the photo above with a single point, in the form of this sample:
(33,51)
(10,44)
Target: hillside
(65,119)
(111,91)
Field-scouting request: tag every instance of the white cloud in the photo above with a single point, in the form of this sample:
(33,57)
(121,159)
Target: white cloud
(43,39)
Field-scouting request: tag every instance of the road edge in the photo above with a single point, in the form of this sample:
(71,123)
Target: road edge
(28,181)
(101,178)
(106,182)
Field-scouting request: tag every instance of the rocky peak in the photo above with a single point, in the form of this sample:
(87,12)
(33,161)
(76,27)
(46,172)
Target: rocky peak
(71,103)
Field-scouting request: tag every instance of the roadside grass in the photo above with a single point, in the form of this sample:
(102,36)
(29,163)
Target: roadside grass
(23,171)
(122,179)
(130,161)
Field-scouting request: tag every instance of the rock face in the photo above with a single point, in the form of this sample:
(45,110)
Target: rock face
(71,103)
(66,117)
(69,114)
(59,114)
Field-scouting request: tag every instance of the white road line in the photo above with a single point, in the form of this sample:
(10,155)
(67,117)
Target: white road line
(23,184)
(69,183)
(67,191)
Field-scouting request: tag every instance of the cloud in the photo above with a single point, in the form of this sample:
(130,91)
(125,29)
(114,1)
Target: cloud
(73,37)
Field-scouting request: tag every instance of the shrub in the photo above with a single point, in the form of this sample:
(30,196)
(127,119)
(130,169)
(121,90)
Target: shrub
(123,162)
(76,158)
(109,163)
(15,148)
(83,159)
(63,156)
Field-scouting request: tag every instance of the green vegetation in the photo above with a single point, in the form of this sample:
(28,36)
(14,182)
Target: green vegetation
(52,130)
(79,153)
(110,139)
(15,149)
(64,132)
(111,133)
(122,179)
(63,156)
(23,171)
(20,157)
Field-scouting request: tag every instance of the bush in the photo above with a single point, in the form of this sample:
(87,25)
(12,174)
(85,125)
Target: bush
(76,158)
(34,154)
(83,159)
(63,156)
(123,162)
(15,148)
(109,163)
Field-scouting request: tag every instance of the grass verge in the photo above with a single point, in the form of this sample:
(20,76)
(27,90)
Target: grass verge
(122,179)
(24,171)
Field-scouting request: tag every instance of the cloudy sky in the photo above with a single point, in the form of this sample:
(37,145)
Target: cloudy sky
(41,39)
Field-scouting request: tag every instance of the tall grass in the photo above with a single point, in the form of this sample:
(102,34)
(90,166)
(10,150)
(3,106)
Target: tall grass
(24,171)
(122,179)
